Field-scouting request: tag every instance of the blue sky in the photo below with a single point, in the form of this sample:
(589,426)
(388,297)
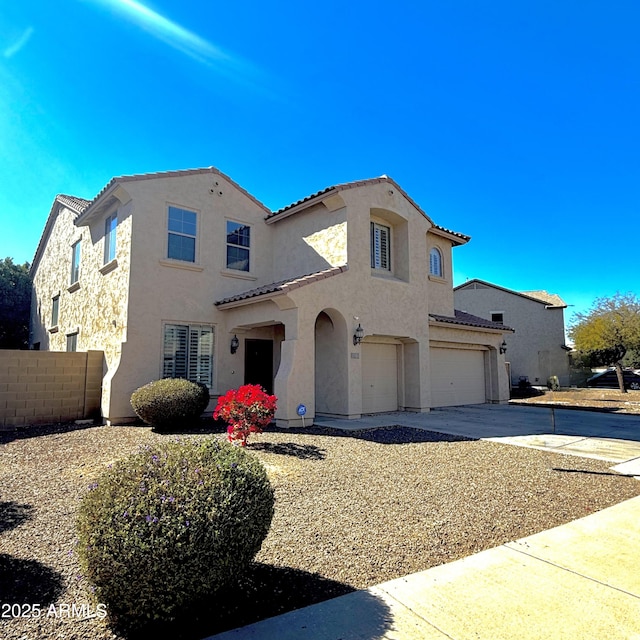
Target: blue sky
(514,122)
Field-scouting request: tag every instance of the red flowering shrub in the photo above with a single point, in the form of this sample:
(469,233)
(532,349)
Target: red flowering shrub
(246,410)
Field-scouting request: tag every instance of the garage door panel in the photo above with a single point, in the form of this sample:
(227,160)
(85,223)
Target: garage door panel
(379,378)
(457,377)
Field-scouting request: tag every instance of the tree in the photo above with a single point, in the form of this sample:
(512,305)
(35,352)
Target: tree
(609,331)
(15,304)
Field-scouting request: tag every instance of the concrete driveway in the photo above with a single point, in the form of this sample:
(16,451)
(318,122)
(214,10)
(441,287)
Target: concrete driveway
(606,436)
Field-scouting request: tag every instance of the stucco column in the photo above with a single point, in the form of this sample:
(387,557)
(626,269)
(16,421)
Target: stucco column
(294,382)
(417,386)
(499,384)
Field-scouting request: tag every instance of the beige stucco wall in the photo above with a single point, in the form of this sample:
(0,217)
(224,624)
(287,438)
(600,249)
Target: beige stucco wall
(310,241)
(171,291)
(96,306)
(123,310)
(535,349)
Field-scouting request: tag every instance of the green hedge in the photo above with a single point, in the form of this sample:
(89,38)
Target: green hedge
(170,403)
(172,524)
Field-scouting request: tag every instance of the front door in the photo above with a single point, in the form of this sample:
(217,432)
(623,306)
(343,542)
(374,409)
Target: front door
(258,363)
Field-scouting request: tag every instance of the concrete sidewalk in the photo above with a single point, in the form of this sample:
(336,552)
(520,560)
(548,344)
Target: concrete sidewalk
(578,581)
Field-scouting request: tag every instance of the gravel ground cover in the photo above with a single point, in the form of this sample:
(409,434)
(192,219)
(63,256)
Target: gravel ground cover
(352,510)
(610,400)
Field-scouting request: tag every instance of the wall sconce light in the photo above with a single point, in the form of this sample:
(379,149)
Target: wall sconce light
(235,343)
(358,335)
(503,347)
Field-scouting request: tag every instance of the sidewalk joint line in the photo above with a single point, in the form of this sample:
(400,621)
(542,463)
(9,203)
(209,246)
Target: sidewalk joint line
(575,573)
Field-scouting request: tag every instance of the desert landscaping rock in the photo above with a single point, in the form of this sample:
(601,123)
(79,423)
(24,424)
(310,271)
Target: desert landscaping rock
(352,510)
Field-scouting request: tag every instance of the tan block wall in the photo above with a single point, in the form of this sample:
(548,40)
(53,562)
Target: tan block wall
(40,387)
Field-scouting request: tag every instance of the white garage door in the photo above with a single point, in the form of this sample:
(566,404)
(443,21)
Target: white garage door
(379,378)
(457,377)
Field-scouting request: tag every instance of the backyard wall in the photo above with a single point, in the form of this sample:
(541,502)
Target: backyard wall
(49,386)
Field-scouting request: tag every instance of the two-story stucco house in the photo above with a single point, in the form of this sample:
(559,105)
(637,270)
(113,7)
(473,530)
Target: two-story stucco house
(342,301)
(537,349)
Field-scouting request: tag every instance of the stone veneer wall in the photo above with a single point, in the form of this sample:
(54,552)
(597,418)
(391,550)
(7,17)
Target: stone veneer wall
(49,386)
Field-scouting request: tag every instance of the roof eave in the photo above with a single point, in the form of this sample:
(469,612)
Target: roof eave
(471,327)
(455,238)
(55,207)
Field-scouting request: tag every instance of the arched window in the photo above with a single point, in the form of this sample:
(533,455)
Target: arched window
(435,263)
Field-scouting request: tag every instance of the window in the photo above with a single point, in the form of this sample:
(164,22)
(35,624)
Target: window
(435,263)
(110,225)
(497,316)
(75,262)
(182,234)
(72,341)
(238,242)
(55,310)
(380,247)
(188,353)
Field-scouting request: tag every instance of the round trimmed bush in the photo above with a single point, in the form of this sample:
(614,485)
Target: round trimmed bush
(170,402)
(171,524)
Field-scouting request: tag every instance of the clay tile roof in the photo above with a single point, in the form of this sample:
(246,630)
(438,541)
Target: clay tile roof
(359,183)
(284,285)
(468,320)
(172,174)
(72,202)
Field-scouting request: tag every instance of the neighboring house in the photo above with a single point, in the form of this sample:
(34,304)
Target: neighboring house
(537,350)
(186,274)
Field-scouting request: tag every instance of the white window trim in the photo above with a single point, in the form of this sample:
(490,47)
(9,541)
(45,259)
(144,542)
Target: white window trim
(75,268)
(108,241)
(196,251)
(227,244)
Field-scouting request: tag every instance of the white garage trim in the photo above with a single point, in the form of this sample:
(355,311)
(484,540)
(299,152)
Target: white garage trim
(457,376)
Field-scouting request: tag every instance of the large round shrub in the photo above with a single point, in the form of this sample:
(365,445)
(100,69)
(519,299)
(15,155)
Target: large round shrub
(170,402)
(173,523)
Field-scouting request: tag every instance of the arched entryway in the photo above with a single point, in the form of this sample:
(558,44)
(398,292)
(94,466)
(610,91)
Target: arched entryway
(331,363)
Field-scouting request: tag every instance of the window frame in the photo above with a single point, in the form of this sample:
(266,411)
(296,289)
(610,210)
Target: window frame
(76,253)
(110,238)
(238,247)
(55,310)
(72,341)
(380,253)
(198,366)
(497,313)
(182,234)
(436,262)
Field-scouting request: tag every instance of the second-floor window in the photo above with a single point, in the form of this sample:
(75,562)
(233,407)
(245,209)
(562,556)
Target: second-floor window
(55,310)
(380,247)
(110,238)
(238,244)
(435,263)
(75,262)
(182,234)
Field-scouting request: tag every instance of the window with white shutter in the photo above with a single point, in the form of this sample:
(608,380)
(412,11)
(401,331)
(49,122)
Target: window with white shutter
(380,247)
(188,353)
